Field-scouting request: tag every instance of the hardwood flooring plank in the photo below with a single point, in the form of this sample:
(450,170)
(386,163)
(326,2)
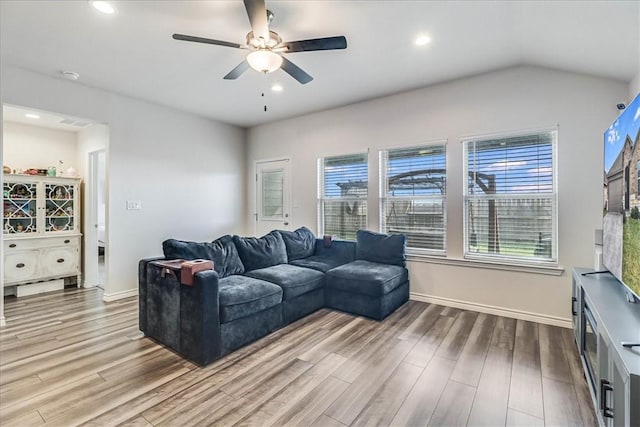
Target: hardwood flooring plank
(472,356)
(426,347)
(324,421)
(504,334)
(31,403)
(560,403)
(136,422)
(67,411)
(525,394)
(453,343)
(553,358)
(262,392)
(454,405)
(290,395)
(421,402)
(314,404)
(520,419)
(422,324)
(492,396)
(379,367)
(385,403)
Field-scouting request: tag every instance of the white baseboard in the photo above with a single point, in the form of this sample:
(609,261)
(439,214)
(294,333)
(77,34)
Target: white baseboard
(119,295)
(490,309)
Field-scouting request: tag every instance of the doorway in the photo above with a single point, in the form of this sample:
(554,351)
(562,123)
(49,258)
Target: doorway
(273,195)
(96,241)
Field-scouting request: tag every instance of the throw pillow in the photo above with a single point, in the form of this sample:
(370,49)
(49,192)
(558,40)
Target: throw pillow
(381,248)
(222,252)
(300,243)
(262,252)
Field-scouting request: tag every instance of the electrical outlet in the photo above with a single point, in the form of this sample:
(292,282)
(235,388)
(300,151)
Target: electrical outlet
(134,205)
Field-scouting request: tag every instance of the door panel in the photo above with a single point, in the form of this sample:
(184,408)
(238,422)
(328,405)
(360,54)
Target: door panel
(273,204)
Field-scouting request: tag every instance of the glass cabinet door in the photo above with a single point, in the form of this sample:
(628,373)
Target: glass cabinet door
(20,210)
(59,207)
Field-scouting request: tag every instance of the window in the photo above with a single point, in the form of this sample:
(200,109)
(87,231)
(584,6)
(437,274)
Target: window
(510,198)
(413,195)
(342,195)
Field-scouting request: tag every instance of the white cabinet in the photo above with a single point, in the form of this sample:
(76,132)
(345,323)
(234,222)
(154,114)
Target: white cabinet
(41,227)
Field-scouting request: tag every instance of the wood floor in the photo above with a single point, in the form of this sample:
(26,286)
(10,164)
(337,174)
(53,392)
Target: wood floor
(70,359)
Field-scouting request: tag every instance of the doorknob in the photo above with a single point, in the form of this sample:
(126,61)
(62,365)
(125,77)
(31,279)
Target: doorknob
(286,215)
(286,223)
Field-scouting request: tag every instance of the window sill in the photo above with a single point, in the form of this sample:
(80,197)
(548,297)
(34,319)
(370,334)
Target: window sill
(461,262)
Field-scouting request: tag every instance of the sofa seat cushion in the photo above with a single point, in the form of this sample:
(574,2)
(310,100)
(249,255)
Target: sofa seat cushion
(293,280)
(368,278)
(318,262)
(242,296)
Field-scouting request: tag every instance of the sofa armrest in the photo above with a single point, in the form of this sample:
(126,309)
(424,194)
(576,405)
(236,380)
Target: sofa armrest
(142,292)
(200,337)
(183,318)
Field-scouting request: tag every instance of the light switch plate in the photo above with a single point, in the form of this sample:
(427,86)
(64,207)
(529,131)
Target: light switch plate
(134,205)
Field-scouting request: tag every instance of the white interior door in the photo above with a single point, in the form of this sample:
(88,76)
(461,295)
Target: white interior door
(273,195)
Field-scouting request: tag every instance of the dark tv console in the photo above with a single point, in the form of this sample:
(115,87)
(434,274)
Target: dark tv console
(607,331)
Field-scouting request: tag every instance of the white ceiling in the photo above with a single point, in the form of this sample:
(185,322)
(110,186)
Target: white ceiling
(46,119)
(132,52)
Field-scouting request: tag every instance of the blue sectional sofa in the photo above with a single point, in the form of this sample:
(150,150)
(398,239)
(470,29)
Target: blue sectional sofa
(261,284)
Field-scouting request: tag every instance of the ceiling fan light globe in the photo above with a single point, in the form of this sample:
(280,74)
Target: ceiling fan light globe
(264,61)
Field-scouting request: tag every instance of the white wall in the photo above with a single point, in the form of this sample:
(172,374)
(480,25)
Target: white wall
(187,171)
(634,87)
(513,99)
(27,146)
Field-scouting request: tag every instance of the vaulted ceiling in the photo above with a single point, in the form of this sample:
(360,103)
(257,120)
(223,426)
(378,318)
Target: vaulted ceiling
(132,52)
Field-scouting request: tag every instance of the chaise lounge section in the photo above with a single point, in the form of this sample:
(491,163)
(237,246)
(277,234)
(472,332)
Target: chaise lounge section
(259,285)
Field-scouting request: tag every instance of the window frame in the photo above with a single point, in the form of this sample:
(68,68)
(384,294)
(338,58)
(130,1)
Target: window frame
(322,199)
(513,260)
(383,198)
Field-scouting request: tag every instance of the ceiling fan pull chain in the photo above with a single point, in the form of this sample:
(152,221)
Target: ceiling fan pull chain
(264,86)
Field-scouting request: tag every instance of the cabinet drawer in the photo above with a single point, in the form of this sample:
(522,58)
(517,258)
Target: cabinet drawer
(20,265)
(49,242)
(58,261)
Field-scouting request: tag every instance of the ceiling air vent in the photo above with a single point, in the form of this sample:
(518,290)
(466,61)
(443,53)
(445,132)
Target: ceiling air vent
(76,123)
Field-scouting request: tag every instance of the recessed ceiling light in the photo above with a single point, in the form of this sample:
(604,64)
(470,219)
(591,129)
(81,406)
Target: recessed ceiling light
(71,75)
(422,40)
(276,87)
(104,7)
(32,116)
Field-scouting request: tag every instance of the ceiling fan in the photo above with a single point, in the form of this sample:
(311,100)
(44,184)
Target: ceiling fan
(267,47)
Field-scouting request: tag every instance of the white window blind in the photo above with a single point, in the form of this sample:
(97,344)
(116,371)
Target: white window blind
(342,195)
(413,195)
(510,198)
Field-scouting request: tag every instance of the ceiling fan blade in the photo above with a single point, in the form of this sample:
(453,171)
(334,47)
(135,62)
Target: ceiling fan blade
(203,40)
(257,12)
(237,72)
(296,72)
(326,43)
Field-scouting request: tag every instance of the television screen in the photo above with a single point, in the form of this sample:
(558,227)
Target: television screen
(621,224)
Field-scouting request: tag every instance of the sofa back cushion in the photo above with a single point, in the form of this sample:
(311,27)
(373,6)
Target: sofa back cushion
(299,243)
(262,252)
(381,248)
(222,252)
